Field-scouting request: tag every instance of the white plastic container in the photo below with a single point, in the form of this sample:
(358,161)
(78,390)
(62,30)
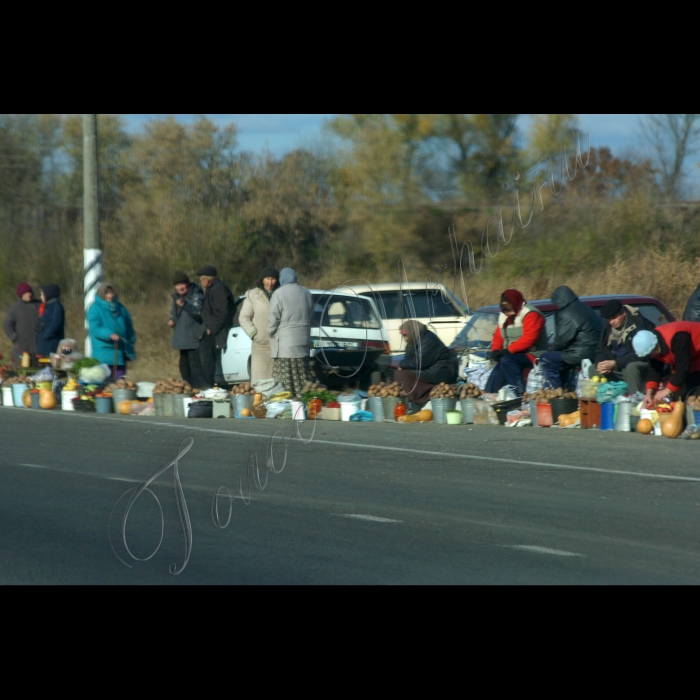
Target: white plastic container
(348,409)
(7,399)
(646,413)
(67,400)
(298,410)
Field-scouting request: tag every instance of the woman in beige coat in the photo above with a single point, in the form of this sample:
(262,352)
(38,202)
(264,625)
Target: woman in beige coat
(253,320)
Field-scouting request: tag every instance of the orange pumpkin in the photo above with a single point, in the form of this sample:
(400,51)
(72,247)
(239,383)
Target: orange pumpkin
(27,398)
(124,407)
(47,399)
(645,426)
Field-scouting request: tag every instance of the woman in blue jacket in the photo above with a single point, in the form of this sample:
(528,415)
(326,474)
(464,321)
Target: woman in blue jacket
(109,322)
(50,330)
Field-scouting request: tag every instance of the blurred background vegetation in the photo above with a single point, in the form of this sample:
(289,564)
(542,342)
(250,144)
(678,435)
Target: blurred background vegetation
(178,196)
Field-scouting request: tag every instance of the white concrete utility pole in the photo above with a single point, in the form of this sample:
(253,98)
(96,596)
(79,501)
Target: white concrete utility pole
(92,254)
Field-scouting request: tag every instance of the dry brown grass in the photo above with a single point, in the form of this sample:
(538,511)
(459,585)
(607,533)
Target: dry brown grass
(663,274)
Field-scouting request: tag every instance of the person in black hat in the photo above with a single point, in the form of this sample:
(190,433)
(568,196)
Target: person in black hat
(188,328)
(217,313)
(253,320)
(615,358)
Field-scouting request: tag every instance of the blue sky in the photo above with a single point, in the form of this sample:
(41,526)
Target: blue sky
(283,132)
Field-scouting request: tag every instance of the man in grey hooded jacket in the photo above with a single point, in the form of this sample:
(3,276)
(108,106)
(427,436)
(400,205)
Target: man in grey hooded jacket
(578,330)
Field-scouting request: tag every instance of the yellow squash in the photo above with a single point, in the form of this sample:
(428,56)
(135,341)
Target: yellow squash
(672,426)
(423,415)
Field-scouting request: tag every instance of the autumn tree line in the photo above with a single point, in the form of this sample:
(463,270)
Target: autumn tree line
(375,190)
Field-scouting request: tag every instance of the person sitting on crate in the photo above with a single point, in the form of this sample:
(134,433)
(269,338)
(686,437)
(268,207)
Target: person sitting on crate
(675,344)
(519,338)
(577,333)
(615,358)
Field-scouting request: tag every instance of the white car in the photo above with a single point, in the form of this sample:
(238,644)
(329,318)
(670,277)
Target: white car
(431,303)
(347,336)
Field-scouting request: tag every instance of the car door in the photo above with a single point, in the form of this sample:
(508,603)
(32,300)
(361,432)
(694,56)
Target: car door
(235,360)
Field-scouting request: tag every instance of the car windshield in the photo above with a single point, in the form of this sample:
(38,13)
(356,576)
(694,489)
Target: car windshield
(343,312)
(419,303)
(478,332)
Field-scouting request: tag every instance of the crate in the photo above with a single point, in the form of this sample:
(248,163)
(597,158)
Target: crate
(590,413)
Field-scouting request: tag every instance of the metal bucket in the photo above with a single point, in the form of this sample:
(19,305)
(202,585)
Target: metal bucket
(119,395)
(241,401)
(440,407)
(35,401)
(168,405)
(179,405)
(376,408)
(467,406)
(158,403)
(389,406)
(533,414)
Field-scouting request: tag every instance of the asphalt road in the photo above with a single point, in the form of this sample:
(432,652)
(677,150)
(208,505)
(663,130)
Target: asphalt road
(359,504)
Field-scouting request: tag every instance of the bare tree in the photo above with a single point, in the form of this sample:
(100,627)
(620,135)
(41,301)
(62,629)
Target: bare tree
(673,138)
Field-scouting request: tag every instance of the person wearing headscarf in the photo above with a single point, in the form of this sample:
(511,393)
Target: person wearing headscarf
(188,327)
(21,322)
(50,329)
(253,320)
(288,323)
(427,362)
(111,330)
(520,337)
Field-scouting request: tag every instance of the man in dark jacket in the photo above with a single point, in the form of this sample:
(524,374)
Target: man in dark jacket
(186,320)
(21,321)
(50,329)
(577,333)
(615,357)
(427,362)
(217,313)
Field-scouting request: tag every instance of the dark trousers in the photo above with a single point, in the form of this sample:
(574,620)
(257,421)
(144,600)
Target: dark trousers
(556,371)
(191,368)
(509,370)
(208,356)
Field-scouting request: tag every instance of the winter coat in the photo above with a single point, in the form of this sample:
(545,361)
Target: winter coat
(289,319)
(679,343)
(624,353)
(253,320)
(20,327)
(692,308)
(50,328)
(189,326)
(104,319)
(435,361)
(527,333)
(217,311)
(578,327)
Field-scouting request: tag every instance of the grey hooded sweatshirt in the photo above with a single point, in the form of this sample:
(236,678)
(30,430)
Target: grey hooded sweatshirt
(289,318)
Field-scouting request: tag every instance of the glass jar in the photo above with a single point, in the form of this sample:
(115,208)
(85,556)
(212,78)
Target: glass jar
(315,406)
(400,409)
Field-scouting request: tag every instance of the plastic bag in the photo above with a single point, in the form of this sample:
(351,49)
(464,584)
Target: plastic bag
(535,380)
(484,414)
(479,375)
(95,375)
(268,387)
(277,408)
(361,416)
(610,390)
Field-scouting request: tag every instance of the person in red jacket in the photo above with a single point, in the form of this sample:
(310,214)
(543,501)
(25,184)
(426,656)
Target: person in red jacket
(519,338)
(676,344)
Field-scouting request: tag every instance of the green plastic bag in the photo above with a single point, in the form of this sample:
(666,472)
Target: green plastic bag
(610,390)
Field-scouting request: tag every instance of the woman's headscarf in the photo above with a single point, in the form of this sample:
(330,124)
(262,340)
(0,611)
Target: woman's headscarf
(516,300)
(413,330)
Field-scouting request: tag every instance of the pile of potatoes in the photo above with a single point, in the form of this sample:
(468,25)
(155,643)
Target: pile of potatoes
(546,395)
(242,389)
(469,391)
(444,391)
(123,383)
(383,390)
(173,386)
(16,380)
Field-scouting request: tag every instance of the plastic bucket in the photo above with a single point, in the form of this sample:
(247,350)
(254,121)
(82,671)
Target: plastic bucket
(119,395)
(440,407)
(622,420)
(67,400)
(561,407)
(389,406)
(375,405)
(103,404)
(544,415)
(607,416)
(347,409)
(533,414)
(467,406)
(7,399)
(241,401)
(17,391)
(179,405)
(298,410)
(453,417)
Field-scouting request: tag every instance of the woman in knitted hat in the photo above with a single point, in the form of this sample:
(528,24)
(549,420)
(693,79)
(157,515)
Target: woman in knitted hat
(253,320)
(21,323)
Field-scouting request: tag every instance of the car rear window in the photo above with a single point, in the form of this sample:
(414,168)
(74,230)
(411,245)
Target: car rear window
(417,304)
(343,312)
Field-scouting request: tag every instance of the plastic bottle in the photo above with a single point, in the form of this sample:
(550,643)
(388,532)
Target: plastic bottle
(400,409)
(26,360)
